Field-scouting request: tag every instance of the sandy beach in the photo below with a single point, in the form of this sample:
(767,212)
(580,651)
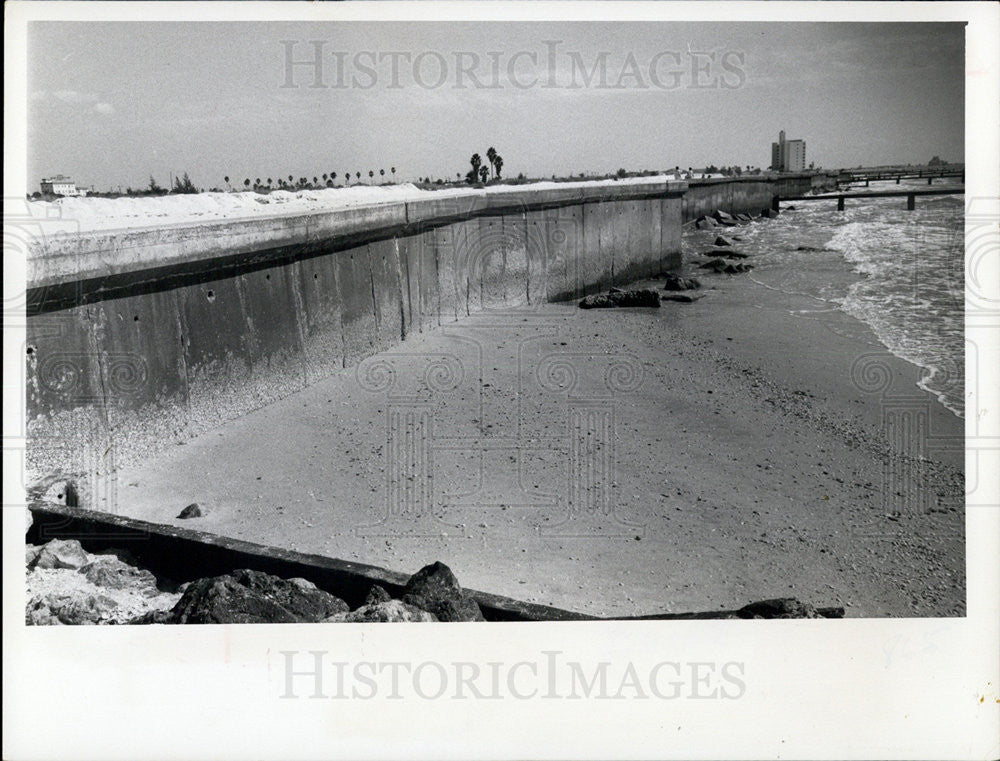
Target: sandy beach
(749,459)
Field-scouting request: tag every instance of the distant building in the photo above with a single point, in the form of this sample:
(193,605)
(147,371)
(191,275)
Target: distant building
(60,185)
(788,155)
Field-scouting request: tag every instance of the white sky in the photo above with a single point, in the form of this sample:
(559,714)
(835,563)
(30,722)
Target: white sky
(112,103)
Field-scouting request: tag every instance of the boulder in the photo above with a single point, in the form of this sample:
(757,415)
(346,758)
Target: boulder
(722,266)
(705,223)
(70,609)
(435,589)
(807,248)
(250,597)
(722,240)
(678,283)
(111,573)
(686,298)
(744,218)
(642,297)
(153,617)
(191,511)
(725,219)
(789,208)
(61,553)
(785,607)
(768,214)
(376,595)
(383,611)
(717,265)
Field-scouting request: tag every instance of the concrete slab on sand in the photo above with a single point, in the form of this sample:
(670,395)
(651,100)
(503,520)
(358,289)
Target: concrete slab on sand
(611,462)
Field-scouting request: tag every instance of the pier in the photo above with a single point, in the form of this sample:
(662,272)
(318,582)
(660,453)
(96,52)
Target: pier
(910,195)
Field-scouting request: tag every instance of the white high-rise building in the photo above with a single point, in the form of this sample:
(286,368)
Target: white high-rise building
(788,155)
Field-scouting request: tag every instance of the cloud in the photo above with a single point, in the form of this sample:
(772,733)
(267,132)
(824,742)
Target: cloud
(104,108)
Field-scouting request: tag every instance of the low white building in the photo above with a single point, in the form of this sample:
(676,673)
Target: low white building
(60,185)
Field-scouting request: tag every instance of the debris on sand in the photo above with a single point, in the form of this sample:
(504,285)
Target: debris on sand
(685,298)
(191,511)
(722,266)
(678,283)
(643,297)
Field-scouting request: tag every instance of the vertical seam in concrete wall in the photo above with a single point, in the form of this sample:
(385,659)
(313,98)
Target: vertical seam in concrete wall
(100,355)
(399,280)
(182,360)
(371,279)
(295,273)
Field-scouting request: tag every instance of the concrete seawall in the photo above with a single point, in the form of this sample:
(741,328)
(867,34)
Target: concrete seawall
(143,338)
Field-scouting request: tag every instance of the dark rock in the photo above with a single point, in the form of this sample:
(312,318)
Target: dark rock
(678,283)
(251,597)
(768,214)
(435,589)
(728,220)
(785,607)
(110,572)
(385,611)
(642,297)
(153,617)
(704,223)
(687,298)
(191,511)
(744,218)
(376,595)
(789,208)
(722,266)
(61,553)
(807,248)
(70,609)
(722,240)
(717,265)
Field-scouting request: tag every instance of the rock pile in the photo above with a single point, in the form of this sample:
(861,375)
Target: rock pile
(68,585)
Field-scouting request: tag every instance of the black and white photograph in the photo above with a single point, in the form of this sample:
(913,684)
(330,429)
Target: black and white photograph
(652,347)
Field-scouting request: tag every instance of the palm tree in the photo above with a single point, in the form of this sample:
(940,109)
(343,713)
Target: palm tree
(269,182)
(381,172)
(393,170)
(358,175)
(246,182)
(476,162)
(484,174)
(290,179)
(491,155)
(498,164)
(371,174)
(315,180)
(257,183)
(333,176)
(226,178)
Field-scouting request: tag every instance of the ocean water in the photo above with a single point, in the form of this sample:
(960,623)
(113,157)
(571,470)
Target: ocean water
(908,273)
